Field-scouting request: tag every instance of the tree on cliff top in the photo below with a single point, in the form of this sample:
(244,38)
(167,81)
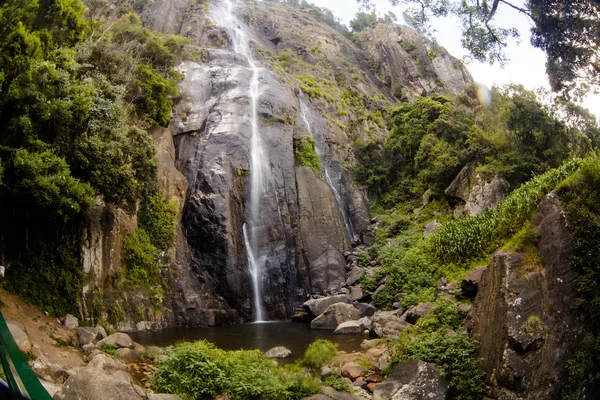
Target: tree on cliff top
(568,31)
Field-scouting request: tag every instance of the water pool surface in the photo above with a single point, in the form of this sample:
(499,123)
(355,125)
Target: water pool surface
(263,336)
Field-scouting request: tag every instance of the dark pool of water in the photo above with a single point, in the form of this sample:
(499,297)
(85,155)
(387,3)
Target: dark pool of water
(295,336)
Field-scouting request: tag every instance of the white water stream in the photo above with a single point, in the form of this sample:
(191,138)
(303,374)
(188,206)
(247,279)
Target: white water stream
(305,113)
(224,14)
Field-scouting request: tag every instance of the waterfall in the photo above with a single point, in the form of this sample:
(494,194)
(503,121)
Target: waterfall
(224,15)
(304,114)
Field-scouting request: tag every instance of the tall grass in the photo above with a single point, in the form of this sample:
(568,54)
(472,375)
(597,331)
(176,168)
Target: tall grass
(465,239)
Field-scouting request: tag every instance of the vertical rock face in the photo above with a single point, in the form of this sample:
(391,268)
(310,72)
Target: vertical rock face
(307,219)
(522,314)
(412,64)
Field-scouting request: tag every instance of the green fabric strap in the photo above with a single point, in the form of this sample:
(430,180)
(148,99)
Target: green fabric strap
(32,385)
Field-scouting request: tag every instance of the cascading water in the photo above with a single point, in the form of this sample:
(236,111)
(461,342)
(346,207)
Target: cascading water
(224,14)
(305,113)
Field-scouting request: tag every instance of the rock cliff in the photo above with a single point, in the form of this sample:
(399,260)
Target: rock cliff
(320,85)
(523,314)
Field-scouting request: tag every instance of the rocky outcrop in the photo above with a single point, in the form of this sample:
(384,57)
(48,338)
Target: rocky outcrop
(485,195)
(335,315)
(412,380)
(278,352)
(475,194)
(318,306)
(411,64)
(20,337)
(523,316)
(104,379)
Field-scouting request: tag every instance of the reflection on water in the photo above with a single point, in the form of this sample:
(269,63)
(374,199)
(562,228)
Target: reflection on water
(263,336)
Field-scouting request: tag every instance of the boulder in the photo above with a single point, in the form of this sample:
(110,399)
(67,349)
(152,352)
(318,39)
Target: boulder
(318,306)
(365,309)
(368,344)
(49,372)
(118,340)
(412,380)
(460,187)
(387,324)
(162,396)
(103,362)
(354,275)
(90,334)
(21,338)
(383,362)
(485,195)
(278,352)
(356,293)
(92,384)
(352,370)
(349,327)
(334,315)
(414,313)
(70,322)
(128,355)
(431,227)
(470,282)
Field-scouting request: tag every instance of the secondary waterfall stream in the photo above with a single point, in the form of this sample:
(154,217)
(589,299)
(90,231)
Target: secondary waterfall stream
(224,14)
(305,113)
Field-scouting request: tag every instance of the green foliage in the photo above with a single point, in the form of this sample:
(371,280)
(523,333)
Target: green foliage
(201,371)
(157,218)
(454,352)
(581,194)
(155,94)
(306,153)
(337,382)
(318,353)
(108,348)
(48,276)
(467,238)
(140,258)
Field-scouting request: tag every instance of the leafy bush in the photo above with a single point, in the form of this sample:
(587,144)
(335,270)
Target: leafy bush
(318,353)
(108,348)
(455,354)
(306,153)
(140,258)
(199,370)
(337,382)
(157,218)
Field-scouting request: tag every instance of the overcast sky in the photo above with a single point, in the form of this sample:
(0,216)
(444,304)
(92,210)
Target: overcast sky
(526,65)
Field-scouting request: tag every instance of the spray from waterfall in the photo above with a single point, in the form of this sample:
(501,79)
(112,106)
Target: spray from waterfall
(224,14)
(305,113)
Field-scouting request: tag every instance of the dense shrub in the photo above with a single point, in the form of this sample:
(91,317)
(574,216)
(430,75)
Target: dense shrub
(201,371)
(140,258)
(157,218)
(318,353)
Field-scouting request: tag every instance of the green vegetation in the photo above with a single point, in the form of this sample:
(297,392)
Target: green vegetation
(581,194)
(467,238)
(201,371)
(78,93)
(108,348)
(363,20)
(439,338)
(306,153)
(318,353)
